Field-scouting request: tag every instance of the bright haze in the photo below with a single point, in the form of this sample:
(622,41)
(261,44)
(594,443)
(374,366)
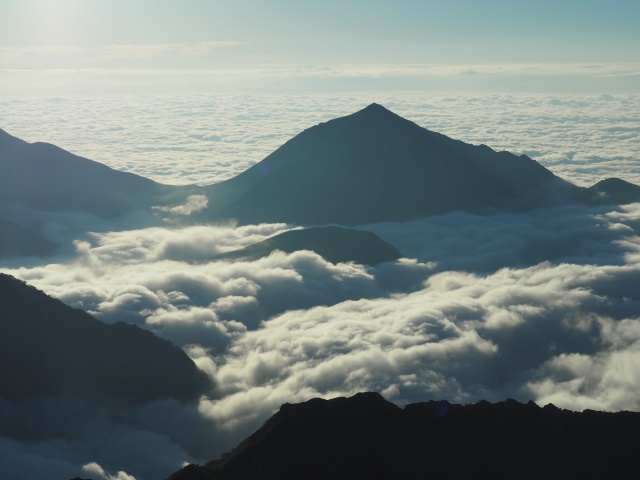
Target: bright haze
(535,302)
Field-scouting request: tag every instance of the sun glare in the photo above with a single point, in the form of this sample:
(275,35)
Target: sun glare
(55,23)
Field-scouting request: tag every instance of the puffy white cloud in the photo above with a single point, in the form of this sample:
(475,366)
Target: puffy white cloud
(538,333)
(194,203)
(96,470)
(168,280)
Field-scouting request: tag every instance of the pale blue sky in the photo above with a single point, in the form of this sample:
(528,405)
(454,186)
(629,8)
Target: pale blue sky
(508,44)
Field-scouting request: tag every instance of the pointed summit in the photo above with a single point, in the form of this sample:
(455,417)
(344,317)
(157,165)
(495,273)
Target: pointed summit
(376,116)
(375,108)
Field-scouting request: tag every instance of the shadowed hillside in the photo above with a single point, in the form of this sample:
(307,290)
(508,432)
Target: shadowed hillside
(614,190)
(335,244)
(45,177)
(47,347)
(374,166)
(367,437)
(42,184)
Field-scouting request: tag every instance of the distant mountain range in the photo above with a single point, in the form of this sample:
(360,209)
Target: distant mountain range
(44,177)
(367,437)
(48,348)
(367,167)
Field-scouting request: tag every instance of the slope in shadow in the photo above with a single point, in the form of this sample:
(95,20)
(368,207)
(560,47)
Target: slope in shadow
(335,244)
(45,177)
(47,347)
(374,166)
(367,437)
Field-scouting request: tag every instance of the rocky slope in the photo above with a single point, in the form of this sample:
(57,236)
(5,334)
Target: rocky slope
(367,437)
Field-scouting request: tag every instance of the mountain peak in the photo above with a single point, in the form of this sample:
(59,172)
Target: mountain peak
(375,109)
(383,166)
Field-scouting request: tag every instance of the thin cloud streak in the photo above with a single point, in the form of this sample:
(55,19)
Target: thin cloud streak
(26,54)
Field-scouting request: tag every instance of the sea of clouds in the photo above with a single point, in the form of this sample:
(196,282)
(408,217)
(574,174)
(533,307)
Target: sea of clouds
(203,139)
(539,305)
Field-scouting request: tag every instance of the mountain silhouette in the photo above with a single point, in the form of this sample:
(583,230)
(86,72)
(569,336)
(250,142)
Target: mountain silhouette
(615,190)
(375,166)
(40,179)
(47,347)
(335,244)
(367,437)
(45,177)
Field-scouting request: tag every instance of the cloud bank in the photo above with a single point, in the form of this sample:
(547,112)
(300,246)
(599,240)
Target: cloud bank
(539,305)
(206,138)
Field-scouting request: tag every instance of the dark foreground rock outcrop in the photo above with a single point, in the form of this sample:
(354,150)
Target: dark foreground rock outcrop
(366,437)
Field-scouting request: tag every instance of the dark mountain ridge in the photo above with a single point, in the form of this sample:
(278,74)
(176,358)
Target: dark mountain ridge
(47,347)
(367,437)
(615,190)
(45,177)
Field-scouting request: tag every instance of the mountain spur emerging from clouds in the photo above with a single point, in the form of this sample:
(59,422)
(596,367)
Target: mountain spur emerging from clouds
(529,293)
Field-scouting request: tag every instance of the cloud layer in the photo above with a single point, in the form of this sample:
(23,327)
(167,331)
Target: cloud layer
(539,305)
(206,138)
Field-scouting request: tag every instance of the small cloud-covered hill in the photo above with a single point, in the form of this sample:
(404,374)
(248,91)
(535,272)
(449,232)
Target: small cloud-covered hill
(615,190)
(335,244)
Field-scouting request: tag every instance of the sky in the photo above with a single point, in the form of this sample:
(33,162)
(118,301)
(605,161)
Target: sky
(496,45)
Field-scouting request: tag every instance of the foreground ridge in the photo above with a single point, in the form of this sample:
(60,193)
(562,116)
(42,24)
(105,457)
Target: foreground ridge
(49,348)
(365,436)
